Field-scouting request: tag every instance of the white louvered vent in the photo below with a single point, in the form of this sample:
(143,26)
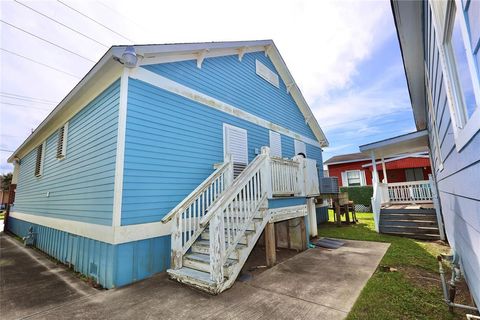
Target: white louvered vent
(235,143)
(62,141)
(300,147)
(267,74)
(39,160)
(275,144)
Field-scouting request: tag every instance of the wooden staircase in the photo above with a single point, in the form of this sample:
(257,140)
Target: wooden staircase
(412,223)
(216,227)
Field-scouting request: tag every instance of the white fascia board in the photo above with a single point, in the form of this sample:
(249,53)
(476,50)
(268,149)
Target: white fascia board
(100,77)
(347,161)
(414,155)
(108,234)
(189,93)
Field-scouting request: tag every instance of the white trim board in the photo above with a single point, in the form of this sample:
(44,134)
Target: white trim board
(120,154)
(103,233)
(189,93)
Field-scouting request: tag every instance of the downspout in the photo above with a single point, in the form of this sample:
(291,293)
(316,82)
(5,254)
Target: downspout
(449,293)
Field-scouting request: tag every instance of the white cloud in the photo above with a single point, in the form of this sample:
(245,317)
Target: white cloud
(323,42)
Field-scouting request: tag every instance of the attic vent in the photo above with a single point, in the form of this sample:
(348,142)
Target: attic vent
(267,74)
(39,161)
(62,141)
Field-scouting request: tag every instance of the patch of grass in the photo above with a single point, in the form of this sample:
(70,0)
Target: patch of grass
(413,292)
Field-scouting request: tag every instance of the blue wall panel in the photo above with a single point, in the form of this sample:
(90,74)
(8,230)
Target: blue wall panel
(171,146)
(87,256)
(286,202)
(236,82)
(80,186)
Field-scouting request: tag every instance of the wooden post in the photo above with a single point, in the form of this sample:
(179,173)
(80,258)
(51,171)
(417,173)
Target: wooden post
(336,207)
(303,233)
(385,180)
(270,246)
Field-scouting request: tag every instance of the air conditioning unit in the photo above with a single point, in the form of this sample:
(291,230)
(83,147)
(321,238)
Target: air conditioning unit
(329,185)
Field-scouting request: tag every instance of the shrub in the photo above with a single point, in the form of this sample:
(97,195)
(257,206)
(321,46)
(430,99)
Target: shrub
(359,195)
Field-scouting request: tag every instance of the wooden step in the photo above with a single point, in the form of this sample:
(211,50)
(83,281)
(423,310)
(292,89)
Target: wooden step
(408,223)
(416,229)
(414,235)
(411,217)
(203,247)
(409,211)
(243,239)
(195,278)
(201,262)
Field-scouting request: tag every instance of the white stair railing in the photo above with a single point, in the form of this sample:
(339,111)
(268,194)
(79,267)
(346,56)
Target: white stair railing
(234,211)
(188,214)
(285,177)
(410,192)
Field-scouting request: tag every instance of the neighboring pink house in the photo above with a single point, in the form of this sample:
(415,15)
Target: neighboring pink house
(355,169)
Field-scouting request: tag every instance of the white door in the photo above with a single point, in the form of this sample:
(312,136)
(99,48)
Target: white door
(235,143)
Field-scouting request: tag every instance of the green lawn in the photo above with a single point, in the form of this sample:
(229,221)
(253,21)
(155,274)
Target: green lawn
(412,292)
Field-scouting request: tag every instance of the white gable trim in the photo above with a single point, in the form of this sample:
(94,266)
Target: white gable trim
(189,93)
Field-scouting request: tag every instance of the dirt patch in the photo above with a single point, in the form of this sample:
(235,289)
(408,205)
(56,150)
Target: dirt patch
(431,281)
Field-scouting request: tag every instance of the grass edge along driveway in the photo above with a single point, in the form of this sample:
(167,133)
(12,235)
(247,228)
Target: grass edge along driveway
(411,292)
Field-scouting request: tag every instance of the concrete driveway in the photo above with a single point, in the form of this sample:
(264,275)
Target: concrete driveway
(316,284)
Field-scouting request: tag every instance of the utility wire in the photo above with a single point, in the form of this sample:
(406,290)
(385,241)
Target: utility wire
(91,19)
(21,105)
(5,150)
(62,24)
(40,63)
(47,41)
(24,98)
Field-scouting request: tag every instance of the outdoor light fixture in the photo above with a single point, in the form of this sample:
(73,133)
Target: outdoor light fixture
(130,57)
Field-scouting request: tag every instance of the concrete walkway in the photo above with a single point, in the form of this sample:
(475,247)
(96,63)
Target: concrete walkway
(316,284)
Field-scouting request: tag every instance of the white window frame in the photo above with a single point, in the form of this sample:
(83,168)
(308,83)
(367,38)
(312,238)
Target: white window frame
(227,126)
(42,160)
(64,143)
(443,18)
(300,147)
(433,120)
(361,176)
(275,144)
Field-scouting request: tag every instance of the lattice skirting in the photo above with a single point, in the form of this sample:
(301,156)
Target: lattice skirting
(363,208)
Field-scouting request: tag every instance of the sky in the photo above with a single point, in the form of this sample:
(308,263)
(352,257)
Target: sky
(344,56)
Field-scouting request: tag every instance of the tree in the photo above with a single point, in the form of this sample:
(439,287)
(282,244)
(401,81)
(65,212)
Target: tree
(6,180)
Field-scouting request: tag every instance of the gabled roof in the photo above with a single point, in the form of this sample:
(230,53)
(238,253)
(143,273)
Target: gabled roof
(345,158)
(163,53)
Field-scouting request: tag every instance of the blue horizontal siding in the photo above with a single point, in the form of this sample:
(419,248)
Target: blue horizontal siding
(81,185)
(236,82)
(171,145)
(286,202)
(459,196)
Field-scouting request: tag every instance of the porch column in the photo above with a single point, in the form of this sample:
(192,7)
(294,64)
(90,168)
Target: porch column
(385,180)
(374,165)
(270,245)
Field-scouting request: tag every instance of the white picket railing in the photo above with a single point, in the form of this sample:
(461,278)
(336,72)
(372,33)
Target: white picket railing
(285,177)
(410,192)
(188,214)
(234,211)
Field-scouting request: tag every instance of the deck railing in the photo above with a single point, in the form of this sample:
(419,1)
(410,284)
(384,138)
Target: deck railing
(285,177)
(410,192)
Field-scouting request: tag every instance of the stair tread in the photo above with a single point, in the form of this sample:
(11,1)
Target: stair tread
(205,258)
(409,227)
(206,243)
(192,274)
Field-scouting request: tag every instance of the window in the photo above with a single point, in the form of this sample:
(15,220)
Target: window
(39,160)
(275,144)
(62,141)
(300,147)
(353,178)
(414,174)
(461,59)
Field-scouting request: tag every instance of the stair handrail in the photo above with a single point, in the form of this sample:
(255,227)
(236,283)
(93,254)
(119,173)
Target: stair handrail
(237,208)
(188,213)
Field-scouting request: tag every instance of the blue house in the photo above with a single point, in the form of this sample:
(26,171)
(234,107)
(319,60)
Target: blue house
(169,157)
(440,44)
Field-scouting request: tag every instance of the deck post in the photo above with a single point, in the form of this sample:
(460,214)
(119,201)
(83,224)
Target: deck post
(374,166)
(270,245)
(385,180)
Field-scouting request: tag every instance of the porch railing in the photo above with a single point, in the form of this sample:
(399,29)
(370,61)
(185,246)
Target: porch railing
(285,175)
(410,192)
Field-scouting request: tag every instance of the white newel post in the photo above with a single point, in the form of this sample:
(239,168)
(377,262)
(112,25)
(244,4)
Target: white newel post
(228,175)
(266,173)
(176,258)
(217,247)
(436,205)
